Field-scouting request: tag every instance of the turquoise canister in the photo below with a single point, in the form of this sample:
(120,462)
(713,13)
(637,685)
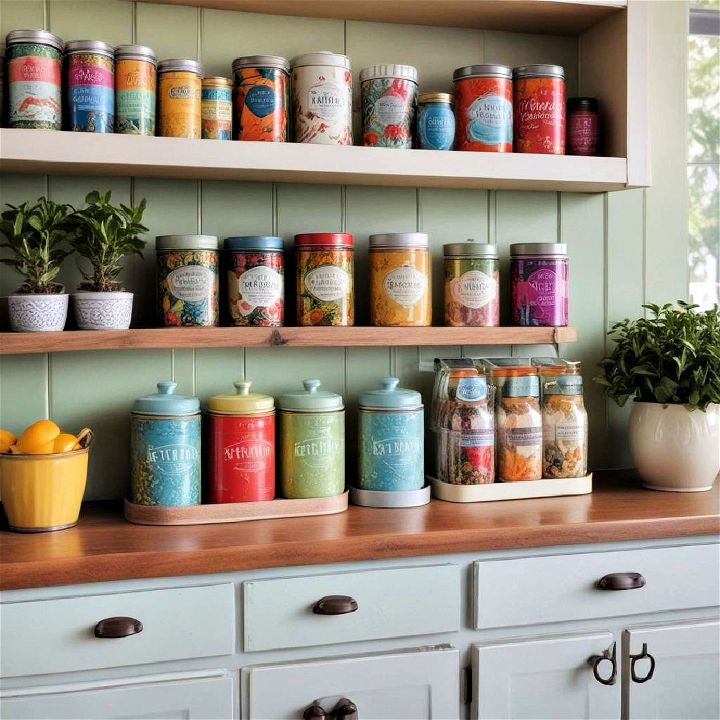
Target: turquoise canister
(312,442)
(165,448)
(391,439)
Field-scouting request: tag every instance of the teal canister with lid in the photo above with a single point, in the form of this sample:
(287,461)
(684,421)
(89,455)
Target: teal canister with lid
(391,438)
(165,448)
(312,442)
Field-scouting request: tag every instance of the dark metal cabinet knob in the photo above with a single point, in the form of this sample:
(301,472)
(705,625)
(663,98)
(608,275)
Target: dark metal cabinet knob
(118,627)
(314,712)
(345,710)
(621,581)
(596,660)
(335,605)
(643,654)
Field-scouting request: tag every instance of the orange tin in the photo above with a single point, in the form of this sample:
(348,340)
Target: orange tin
(179,93)
(539,109)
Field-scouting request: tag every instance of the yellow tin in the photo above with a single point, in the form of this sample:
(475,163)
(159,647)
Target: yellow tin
(179,98)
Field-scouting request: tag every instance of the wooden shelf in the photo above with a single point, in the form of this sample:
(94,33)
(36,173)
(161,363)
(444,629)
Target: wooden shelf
(76,340)
(88,154)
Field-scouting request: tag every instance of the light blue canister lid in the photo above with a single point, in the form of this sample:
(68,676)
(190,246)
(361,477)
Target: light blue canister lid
(391,397)
(166,402)
(254,242)
(312,399)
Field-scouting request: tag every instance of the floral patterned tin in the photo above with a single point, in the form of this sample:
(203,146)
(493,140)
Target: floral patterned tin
(89,86)
(539,109)
(435,121)
(179,93)
(135,90)
(389,99)
(165,449)
(391,439)
(255,276)
(262,98)
(322,98)
(34,74)
(187,279)
(216,108)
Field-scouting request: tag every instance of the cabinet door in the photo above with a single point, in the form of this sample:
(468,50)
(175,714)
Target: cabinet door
(415,684)
(686,680)
(544,678)
(183,698)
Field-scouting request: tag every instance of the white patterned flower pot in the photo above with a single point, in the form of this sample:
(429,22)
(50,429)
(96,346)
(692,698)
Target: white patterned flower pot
(38,313)
(103,310)
(675,448)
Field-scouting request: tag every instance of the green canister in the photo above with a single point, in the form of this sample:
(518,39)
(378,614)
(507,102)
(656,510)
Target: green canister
(312,442)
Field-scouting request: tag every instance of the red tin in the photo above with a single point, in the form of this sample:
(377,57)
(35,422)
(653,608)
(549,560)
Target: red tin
(539,109)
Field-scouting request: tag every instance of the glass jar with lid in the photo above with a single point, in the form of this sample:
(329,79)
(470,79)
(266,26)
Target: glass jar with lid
(435,121)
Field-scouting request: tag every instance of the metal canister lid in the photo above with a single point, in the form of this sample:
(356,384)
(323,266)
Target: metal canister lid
(264,243)
(178,65)
(166,402)
(538,249)
(403,72)
(43,37)
(322,58)
(501,71)
(528,71)
(217,81)
(390,397)
(261,61)
(344,240)
(429,97)
(89,46)
(399,240)
(135,52)
(470,248)
(186,242)
(243,402)
(311,399)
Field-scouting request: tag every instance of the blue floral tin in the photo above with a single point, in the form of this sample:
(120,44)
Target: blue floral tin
(165,449)
(391,439)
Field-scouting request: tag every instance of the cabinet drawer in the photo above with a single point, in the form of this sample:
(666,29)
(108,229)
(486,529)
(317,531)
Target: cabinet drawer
(398,602)
(528,591)
(48,636)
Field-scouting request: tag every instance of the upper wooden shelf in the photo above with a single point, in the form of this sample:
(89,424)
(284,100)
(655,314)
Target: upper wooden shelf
(76,340)
(554,17)
(68,153)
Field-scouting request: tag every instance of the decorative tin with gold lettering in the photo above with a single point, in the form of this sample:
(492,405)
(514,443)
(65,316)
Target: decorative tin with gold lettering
(179,92)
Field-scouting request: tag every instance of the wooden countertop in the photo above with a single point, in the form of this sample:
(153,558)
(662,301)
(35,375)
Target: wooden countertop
(104,546)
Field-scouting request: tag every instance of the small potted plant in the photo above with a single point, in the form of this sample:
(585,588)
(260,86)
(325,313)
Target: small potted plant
(37,236)
(669,363)
(104,235)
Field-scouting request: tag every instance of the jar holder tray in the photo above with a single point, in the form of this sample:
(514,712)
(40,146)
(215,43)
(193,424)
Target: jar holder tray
(520,490)
(234,512)
(390,498)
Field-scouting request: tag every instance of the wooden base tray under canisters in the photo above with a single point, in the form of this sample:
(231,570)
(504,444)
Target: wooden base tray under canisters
(234,512)
(511,490)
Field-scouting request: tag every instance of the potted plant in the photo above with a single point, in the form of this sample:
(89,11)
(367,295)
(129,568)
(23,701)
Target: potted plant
(669,363)
(104,235)
(37,236)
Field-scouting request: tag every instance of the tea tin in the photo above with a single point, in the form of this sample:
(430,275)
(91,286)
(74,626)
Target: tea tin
(262,98)
(179,91)
(89,86)
(242,446)
(188,283)
(583,126)
(165,448)
(539,109)
(391,438)
(135,90)
(312,442)
(216,108)
(435,121)
(34,59)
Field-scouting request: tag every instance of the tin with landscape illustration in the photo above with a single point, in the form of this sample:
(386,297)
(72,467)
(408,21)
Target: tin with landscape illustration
(89,86)
(135,90)
(179,93)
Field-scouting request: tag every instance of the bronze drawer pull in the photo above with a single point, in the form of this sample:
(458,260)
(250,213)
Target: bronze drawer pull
(621,581)
(314,712)
(345,710)
(335,605)
(640,656)
(118,627)
(595,660)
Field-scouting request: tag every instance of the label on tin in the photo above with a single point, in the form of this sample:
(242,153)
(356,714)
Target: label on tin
(327,282)
(134,97)
(216,114)
(327,100)
(474,289)
(173,459)
(34,91)
(248,455)
(260,100)
(477,438)
(260,287)
(315,450)
(405,285)
(390,110)
(436,127)
(471,389)
(405,449)
(490,120)
(191,283)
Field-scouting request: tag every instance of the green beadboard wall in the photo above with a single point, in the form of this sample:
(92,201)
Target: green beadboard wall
(625,247)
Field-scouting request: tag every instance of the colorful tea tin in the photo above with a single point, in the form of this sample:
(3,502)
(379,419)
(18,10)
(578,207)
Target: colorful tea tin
(391,439)
(135,90)
(34,74)
(435,121)
(165,448)
(312,442)
(216,108)
(89,86)
(539,109)
(179,92)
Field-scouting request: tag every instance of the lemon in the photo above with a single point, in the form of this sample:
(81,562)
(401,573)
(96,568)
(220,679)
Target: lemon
(38,438)
(6,440)
(64,442)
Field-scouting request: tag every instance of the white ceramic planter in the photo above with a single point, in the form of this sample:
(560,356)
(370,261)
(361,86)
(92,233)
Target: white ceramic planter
(675,448)
(38,313)
(103,310)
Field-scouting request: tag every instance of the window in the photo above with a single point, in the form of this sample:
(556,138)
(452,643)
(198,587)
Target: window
(703,168)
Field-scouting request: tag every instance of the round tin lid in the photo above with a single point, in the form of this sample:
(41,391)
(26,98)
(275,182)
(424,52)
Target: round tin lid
(135,52)
(521,386)
(253,61)
(564,385)
(34,36)
(501,71)
(404,72)
(527,71)
(166,402)
(428,97)
(333,239)
(243,402)
(535,249)
(399,240)
(391,397)
(470,248)
(178,65)
(322,57)
(186,242)
(89,46)
(254,242)
(311,399)
(588,104)
(216,81)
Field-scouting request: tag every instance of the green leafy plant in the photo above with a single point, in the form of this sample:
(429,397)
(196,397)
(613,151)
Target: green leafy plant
(37,235)
(104,235)
(670,357)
